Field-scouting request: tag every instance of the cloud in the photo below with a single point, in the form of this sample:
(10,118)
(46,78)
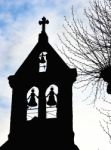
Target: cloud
(4,124)
(19,31)
(88,133)
(5,91)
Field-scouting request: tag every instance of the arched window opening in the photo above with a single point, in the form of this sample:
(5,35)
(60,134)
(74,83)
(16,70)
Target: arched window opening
(43,62)
(32,103)
(51,101)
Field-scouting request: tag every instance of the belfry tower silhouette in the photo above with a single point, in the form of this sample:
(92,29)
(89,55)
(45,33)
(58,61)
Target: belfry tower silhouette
(43,83)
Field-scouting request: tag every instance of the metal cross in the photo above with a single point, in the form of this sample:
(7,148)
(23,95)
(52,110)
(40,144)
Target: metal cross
(43,23)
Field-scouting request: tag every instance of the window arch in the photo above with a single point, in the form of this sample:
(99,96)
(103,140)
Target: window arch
(43,62)
(32,103)
(51,101)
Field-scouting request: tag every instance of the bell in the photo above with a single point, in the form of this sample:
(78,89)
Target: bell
(42,60)
(51,102)
(32,102)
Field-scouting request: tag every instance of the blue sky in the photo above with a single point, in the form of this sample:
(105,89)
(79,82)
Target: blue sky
(19,31)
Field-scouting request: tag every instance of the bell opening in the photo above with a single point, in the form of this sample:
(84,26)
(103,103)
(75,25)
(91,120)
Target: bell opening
(32,103)
(43,62)
(51,101)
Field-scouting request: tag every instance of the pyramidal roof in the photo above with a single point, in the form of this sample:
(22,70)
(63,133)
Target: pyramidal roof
(31,63)
(42,45)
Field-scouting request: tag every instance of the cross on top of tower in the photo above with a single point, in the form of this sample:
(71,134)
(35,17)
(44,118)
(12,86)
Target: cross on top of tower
(43,23)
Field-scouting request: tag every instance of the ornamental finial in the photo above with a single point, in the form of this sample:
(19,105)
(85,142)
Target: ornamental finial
(43,23)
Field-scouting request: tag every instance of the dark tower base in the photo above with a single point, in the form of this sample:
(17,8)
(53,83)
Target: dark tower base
(42,135)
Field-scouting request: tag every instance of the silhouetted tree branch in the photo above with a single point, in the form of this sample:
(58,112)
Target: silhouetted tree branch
(89,50)
(106,122)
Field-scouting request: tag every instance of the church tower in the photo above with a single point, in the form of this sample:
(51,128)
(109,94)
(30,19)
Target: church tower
(41,113)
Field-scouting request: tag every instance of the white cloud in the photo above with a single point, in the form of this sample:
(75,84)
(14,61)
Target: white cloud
(88,133)
(4,124)
(18,38)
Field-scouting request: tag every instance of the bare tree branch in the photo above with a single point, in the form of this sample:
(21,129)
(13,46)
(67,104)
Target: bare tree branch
(89,50)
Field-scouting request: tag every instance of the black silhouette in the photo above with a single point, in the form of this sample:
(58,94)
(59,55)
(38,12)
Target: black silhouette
(106,75)
(40,132)
(51,95)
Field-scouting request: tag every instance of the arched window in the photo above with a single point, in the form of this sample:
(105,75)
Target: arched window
(51,101)
(43,62)
(32,103)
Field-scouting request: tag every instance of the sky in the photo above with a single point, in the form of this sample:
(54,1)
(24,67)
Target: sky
(19,31)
